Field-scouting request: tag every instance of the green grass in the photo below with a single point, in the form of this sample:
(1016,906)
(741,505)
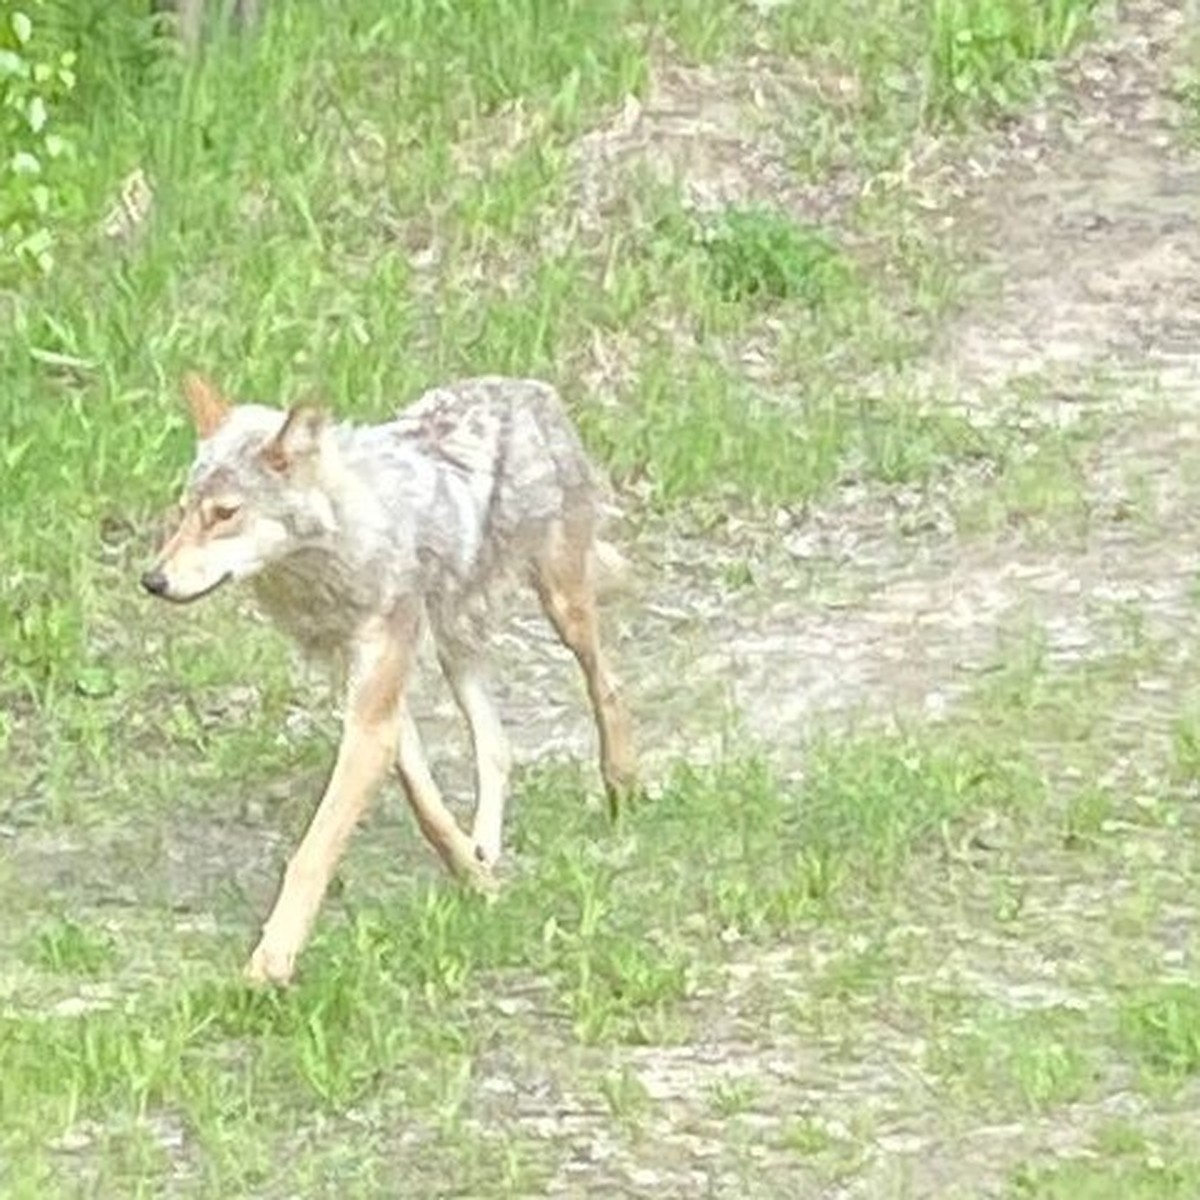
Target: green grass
(1152,1175)
(605,946)
(612,928)
(1040,490)
(1027,1063)
(1162,1024)
(370,198)
(758,254)
(987,52)
(284,254)
(68,948)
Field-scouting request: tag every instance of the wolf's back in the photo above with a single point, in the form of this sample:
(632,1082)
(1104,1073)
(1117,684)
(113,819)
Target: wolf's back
(515,443)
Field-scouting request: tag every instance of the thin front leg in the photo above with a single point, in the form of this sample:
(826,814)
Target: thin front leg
(437,823)
(370,736)
(493,755)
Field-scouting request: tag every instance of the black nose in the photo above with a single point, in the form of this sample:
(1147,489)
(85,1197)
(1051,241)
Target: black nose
(155,582)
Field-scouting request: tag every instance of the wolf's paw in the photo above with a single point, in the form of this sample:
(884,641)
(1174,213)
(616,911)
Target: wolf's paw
(484,882)
(269,966)
(474,871)
(624,791)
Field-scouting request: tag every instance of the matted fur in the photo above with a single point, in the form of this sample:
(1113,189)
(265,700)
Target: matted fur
(354,538)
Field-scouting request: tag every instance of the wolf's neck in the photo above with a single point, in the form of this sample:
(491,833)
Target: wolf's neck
(316,597)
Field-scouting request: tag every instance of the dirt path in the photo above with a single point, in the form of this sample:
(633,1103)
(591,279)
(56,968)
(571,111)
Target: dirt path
(1086,214)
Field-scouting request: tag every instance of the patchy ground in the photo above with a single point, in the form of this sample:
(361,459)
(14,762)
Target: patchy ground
(944,946)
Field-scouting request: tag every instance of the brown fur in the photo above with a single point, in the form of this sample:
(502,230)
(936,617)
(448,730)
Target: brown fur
(208,407)
(567,592)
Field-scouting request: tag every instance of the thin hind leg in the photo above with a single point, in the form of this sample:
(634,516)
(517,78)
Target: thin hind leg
(564,579)
(493,757)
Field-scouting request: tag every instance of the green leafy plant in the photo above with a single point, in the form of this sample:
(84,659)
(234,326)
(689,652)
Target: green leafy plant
(33,81)
(67,947)
(755,253)
(983,53)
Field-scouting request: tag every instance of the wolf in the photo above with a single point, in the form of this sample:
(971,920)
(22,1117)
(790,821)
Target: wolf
(357,541)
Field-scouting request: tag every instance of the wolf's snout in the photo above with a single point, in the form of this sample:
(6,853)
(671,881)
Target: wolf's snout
(155,582)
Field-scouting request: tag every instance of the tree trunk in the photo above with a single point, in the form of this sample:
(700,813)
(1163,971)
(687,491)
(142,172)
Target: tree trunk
(190,16)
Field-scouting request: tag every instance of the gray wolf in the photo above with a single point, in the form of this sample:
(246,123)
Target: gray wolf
(357,539)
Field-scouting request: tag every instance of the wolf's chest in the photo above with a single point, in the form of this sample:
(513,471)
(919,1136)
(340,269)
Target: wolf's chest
(314,604)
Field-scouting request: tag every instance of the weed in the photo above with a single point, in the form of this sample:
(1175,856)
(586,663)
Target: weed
(1185,741)
(758,254)
(1031,1061)
(65,946)
(807,1137)
(985,52)
(734,1096)
(1153,1178)
(1087,814)
(1161,1024)
(1039,489)
(1188,91)
(33,81)
(626,1097)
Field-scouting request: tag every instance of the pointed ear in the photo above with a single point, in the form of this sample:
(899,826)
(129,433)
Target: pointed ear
(299,438)
(208,407)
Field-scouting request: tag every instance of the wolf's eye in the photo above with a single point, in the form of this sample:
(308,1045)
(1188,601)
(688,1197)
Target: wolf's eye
(224,512)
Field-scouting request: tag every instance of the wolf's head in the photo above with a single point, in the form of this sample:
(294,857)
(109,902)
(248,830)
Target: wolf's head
(253,494)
